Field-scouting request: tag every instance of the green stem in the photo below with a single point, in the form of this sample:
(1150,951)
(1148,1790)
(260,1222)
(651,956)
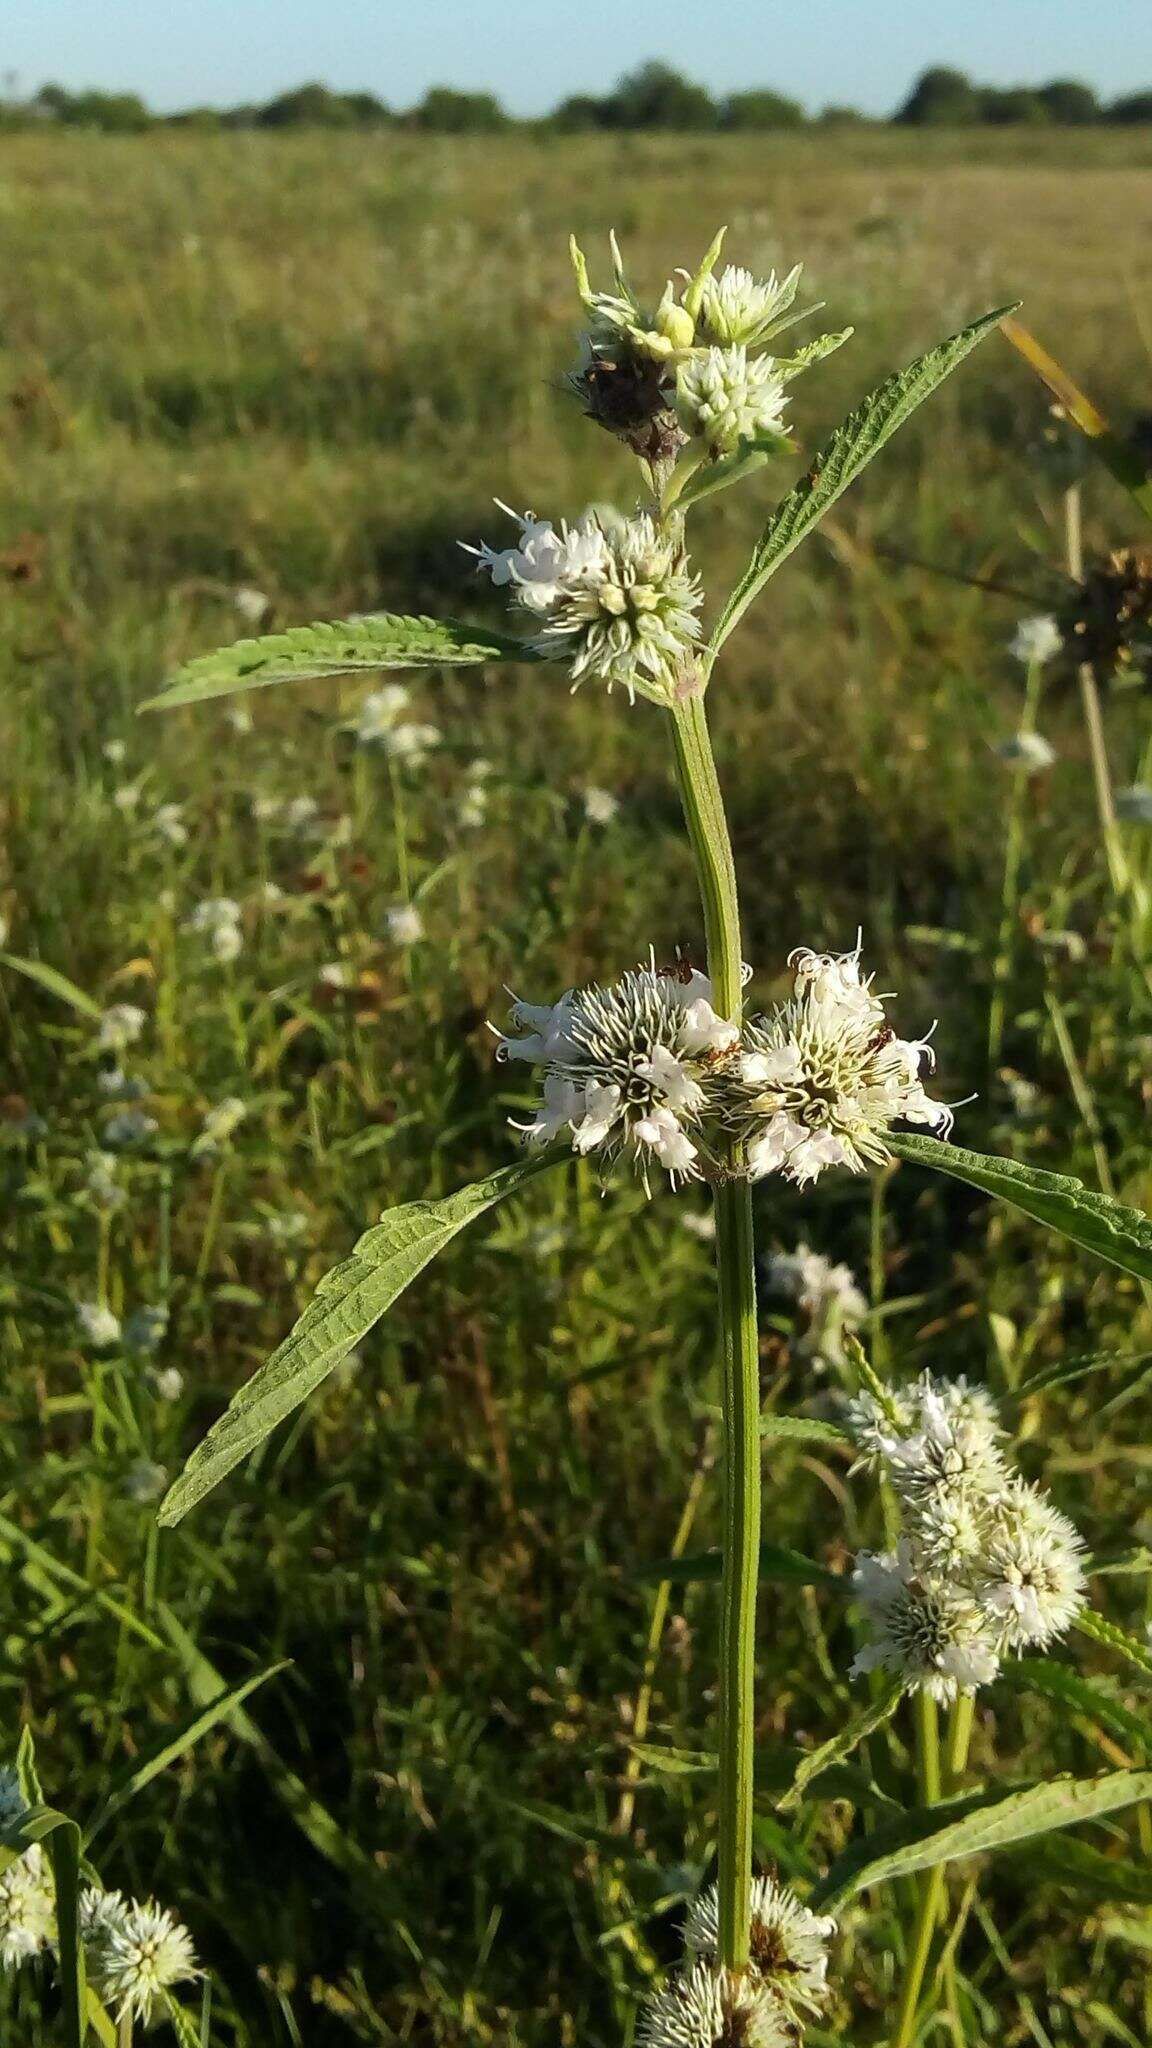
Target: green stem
(937,1780)
(736,1288)
(1010,886)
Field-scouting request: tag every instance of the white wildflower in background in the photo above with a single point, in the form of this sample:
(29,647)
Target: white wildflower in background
(700,1223)
(138,1953)
(706,2007)
(1036,640)
(404,924)
(820,1081)
(252,605)
(739,309)
(724,398)
(1028,751)
(286,1227)
(27,1908)
(1134,805)
(616,604)
(120,1026)
(129,1127)
(379,712)
(168,823)
(167,1382)
(219,1124)
(986,1565)
(97,1910)
(336,974)
(101,1328)
(115,752)
(600,806)
(101,1184)
(827,1293)
(126,798)
(239,718)
(788,1943)
(145,1481)
(217,919)
(626,1066)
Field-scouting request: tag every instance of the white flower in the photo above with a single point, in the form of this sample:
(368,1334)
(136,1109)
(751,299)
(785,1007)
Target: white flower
(600,806)
(27,1908)
(1036,640)
(828,1295)
(788,1943)
(723,398)
(701,1223)
(619,316)
(1134,805)
(218,920)
(137,1954)
(129,1127)
(1032,1574)
(252,604)
(404,924)
(379,712)
(218,1125)
(1028,751)
(617,606)
(548,563)
(286,1226)
(97,1910)
(120,1026)
(820,1081)
(929,1632)
(705,2007)
(239,718)
(472,809)
(168,821)
(954,1450)
(168,1383)
(411,742)
(127,797)
(737,308)
(626,1065)
(100,1327)
(115,752)
(100,1181)
(869,1424)
(145,1481)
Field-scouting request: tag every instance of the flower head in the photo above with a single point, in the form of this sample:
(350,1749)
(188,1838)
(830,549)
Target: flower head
(1036,640)
(600,806)
(929,1631)
(706,2007)
(739,309)
(1028,751)
(820,1081)
(100,1326)
(27,1908)
(625,1065)
(378,714)
(788,1943)
(219,1124)
(138,1952)
(1031,1573)
(724,398)
(404,924)
(828,1295)
(120,1026)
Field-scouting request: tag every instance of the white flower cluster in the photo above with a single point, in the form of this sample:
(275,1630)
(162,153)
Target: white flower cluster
(625,1065)
(828,1295)
(379,724)
(986,1565)
(1036,640)
(723,398)
(820,1081)
(786,1979)
(614,599)
(133,1953)
(217,919)
(647,1062)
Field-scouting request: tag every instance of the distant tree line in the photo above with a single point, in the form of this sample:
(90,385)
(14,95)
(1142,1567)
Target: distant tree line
(654,97)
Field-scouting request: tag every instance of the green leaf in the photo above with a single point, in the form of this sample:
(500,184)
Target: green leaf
(801,1429)
(62,1837)
(855,442)
(855,1731)
(711,477)
(1129,1647)
(169,1752)
(974,1826)
(1066,1688)
(346,1305)
(704,1567)
(1111,1231)
(813,352)
(57,984)
(343,648)
(185,2028)
(1088,1869)
(1065,1372)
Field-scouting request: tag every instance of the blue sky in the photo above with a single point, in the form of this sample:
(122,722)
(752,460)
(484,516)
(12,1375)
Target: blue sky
(180,52)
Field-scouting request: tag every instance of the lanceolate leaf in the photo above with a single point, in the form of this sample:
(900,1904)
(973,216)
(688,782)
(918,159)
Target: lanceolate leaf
(57,984)
(974,1826)
(851,448)
(347,1302)
(352,647)
(802,1429)
(854,1731)
(1121,1235)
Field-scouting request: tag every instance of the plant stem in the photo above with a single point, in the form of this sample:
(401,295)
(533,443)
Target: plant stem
(736,1289)
(1010,886)
(1093,720)
(936,1780)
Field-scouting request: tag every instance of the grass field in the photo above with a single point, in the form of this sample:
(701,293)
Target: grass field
(304,368)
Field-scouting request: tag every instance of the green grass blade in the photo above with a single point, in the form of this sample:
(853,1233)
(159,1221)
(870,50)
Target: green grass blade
(1066,1688)
(855,1731)
(1083,1868)
(61,1837)
(976,1826)
(705,1567)
(1121,1235)
(134,1781)
(1130,1648)
(341,648)
(57,984)
(840,461)
(346,1305)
